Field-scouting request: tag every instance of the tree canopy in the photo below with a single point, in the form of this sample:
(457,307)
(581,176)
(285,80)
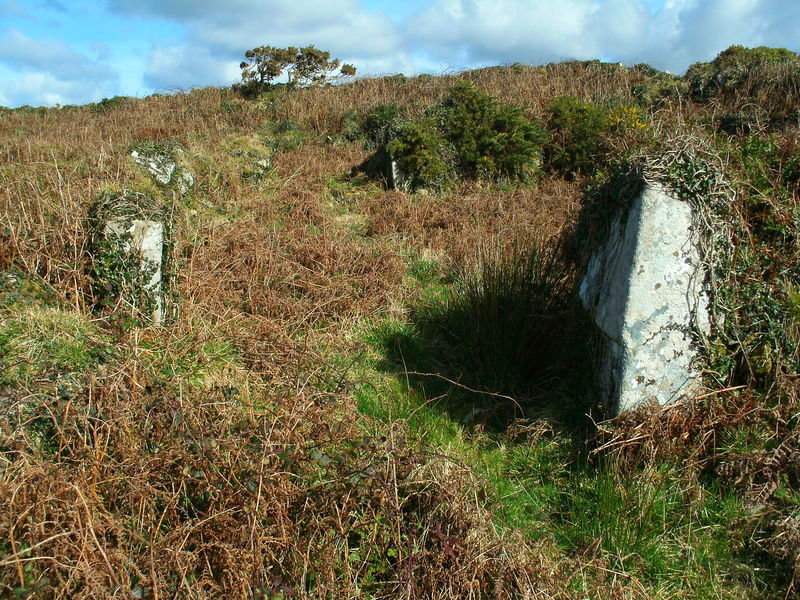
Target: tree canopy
(304,66)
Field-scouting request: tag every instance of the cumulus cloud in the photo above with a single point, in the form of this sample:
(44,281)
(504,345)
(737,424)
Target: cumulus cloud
(218,33)
(200,42)
(50,71)
(702,28)
(452,34)
(682,32)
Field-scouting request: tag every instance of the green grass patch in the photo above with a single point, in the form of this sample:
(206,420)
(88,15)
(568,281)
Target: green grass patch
(48,342)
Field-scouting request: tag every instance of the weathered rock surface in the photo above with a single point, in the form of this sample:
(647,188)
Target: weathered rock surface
(160,166)
(129,250)
(397,179)
(164,169)
(644,289)
(144,240)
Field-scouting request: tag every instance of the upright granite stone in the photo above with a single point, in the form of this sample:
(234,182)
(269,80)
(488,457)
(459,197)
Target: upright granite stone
(644,288)
(130,246)
(397,178)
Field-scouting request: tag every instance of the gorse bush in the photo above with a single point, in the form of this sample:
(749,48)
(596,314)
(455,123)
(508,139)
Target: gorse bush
(581,134)
(578,143)
(421,153)
(376,126)
(740,73)
(490,139)
(469,135)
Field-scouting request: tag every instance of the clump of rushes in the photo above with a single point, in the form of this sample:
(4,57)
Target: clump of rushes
(512,324)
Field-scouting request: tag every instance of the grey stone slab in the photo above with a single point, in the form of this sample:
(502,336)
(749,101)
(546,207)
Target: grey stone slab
(145,240)
(644,288)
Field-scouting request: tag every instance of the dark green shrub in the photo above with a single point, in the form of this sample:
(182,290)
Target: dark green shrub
(377,126)
(420,150)
(578,136)
(646,69)
(468,134)
(107,104)
(771,164)
(490,139)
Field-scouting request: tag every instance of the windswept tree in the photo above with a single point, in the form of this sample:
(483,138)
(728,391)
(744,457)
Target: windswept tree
(303,67)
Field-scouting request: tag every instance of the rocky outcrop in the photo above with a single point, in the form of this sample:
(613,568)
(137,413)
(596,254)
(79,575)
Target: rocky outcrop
(160,163)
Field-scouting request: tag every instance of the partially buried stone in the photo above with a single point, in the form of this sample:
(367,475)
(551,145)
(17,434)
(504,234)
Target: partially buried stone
(160,163)
(644,288)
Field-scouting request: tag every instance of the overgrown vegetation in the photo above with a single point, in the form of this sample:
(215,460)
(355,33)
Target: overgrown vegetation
(368,393)
(467,135)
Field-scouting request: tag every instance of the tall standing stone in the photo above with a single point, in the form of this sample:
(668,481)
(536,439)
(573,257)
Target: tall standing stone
(644,288)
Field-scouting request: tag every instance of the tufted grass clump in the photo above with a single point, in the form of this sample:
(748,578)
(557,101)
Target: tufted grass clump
(43,341)
(284,136)
(511,324)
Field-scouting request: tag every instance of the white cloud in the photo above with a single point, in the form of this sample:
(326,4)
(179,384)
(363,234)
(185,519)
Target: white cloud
(50,71)
(218,33)
(183,66)
(702,28)
(206,39)
(684,31)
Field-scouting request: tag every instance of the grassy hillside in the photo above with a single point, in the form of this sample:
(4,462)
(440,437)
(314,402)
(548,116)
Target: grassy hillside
(369,393)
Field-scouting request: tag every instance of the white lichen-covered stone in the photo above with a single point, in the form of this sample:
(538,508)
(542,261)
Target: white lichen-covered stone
(160,166)
(645,290)
(185,182)
(397,179)
(164,169)
(144,239)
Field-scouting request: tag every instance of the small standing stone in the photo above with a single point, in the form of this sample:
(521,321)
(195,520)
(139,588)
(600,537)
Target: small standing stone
(145,241)
(397,179)
(129,250)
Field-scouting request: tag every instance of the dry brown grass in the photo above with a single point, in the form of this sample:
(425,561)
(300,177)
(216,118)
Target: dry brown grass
(191,490)
(255,477)
(193,494)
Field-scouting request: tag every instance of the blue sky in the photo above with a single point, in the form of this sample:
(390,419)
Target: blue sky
(78,51)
